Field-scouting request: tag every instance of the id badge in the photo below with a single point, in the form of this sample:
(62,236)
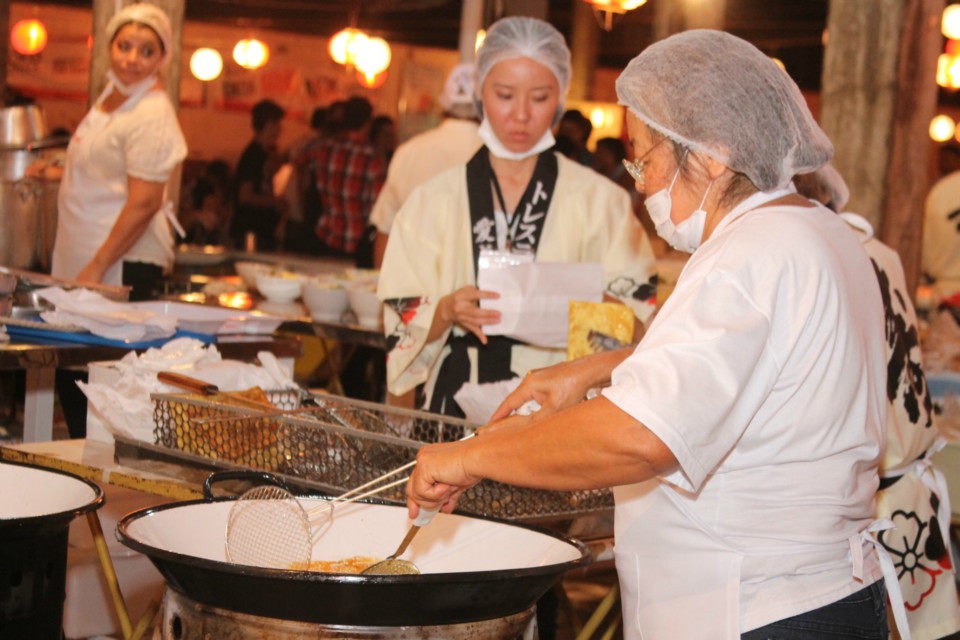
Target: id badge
(497,259)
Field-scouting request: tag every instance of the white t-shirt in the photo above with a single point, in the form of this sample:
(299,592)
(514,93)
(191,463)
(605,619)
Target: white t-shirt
(141,138)
(764,374)
(420,158)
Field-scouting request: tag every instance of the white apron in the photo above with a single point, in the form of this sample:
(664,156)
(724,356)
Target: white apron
(90,201)
(661,587)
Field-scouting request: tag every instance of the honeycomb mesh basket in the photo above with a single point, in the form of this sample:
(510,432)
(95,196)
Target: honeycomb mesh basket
(343,443)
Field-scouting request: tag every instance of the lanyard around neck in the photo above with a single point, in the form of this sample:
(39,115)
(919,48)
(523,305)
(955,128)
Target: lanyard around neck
(513,220)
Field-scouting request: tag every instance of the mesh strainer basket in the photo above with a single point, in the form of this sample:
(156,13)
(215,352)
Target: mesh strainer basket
(343,443)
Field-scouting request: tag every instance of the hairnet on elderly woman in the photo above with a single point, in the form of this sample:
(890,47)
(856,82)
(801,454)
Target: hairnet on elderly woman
(715,93)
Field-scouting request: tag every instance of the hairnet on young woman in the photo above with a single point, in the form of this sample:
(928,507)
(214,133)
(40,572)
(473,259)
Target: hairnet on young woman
(718,94)
(525,37)
(150,15)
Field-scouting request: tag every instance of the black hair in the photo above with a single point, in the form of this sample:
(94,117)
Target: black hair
(613,146)
(318,119)
(356,113)
(582,122)
(378,124)
(265,112)
(565,146)
(201,189)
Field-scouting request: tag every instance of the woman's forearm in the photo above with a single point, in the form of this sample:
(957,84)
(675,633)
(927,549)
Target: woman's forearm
(143,201)
(442,319)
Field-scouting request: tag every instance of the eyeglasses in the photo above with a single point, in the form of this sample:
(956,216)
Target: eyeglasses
(636,168)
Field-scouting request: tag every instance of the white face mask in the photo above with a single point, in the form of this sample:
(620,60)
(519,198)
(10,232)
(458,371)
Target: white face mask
(685,236)
(140,86)
(498,149)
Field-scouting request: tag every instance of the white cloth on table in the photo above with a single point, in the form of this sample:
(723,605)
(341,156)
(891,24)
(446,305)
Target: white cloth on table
(125,406)
(105,318)
(764,374)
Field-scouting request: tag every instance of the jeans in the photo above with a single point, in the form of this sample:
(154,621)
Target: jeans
(860,616)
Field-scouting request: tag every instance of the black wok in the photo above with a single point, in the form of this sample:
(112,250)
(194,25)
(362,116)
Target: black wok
(472,568)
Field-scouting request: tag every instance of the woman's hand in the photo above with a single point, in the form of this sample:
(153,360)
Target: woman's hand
(562,385)
(439,478)
(553,388)
(462,308)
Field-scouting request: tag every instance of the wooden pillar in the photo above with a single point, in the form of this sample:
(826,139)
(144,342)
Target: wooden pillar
(533,8)
(471,21)
(674,17)
(103,10)
(878,95)
(584,49)
(4,50)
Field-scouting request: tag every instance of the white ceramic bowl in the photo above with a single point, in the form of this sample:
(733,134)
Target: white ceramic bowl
(279,288)
(326,299)
(249,271)
(366,305)
(361,276)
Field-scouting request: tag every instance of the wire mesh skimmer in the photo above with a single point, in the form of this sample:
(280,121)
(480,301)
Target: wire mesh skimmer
(268,527)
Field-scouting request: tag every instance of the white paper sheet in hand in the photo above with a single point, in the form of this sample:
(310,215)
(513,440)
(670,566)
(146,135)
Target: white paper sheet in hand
(534,298)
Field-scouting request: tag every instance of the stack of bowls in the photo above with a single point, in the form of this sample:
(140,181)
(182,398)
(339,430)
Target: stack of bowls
(279,286)
(249,271)
(325,297)
(366,305)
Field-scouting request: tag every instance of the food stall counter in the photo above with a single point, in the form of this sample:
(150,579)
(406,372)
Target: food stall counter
(41,357)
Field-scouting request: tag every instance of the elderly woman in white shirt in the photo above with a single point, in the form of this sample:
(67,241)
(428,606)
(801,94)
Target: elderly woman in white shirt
(742,436)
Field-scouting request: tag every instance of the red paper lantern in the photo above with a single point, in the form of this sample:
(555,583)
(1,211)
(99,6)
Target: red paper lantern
(28,37)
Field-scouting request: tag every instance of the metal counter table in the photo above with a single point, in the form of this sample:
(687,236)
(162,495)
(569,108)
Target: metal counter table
(41,359)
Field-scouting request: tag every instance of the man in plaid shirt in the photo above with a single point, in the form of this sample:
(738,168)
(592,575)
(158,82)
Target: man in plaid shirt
(349,174)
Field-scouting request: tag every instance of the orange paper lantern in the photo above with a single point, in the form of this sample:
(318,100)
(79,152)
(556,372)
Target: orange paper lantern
(28,37)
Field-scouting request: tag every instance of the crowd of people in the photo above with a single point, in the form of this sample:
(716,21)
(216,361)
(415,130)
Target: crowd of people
(770,424)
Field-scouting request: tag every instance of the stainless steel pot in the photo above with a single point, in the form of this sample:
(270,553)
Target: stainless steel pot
(27,206)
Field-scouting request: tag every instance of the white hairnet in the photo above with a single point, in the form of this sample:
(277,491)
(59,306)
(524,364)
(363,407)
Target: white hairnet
(834,191)
(148,14)
(718,94)
(525,37)
(458,90)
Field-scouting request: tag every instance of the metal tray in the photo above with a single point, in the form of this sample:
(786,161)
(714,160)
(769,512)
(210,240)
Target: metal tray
(338,445)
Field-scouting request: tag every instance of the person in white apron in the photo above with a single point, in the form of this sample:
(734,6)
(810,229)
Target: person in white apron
(913,491)
(113,220)
(743,435)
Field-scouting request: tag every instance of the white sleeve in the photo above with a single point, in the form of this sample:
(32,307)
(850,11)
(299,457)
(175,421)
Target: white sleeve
(700,374)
